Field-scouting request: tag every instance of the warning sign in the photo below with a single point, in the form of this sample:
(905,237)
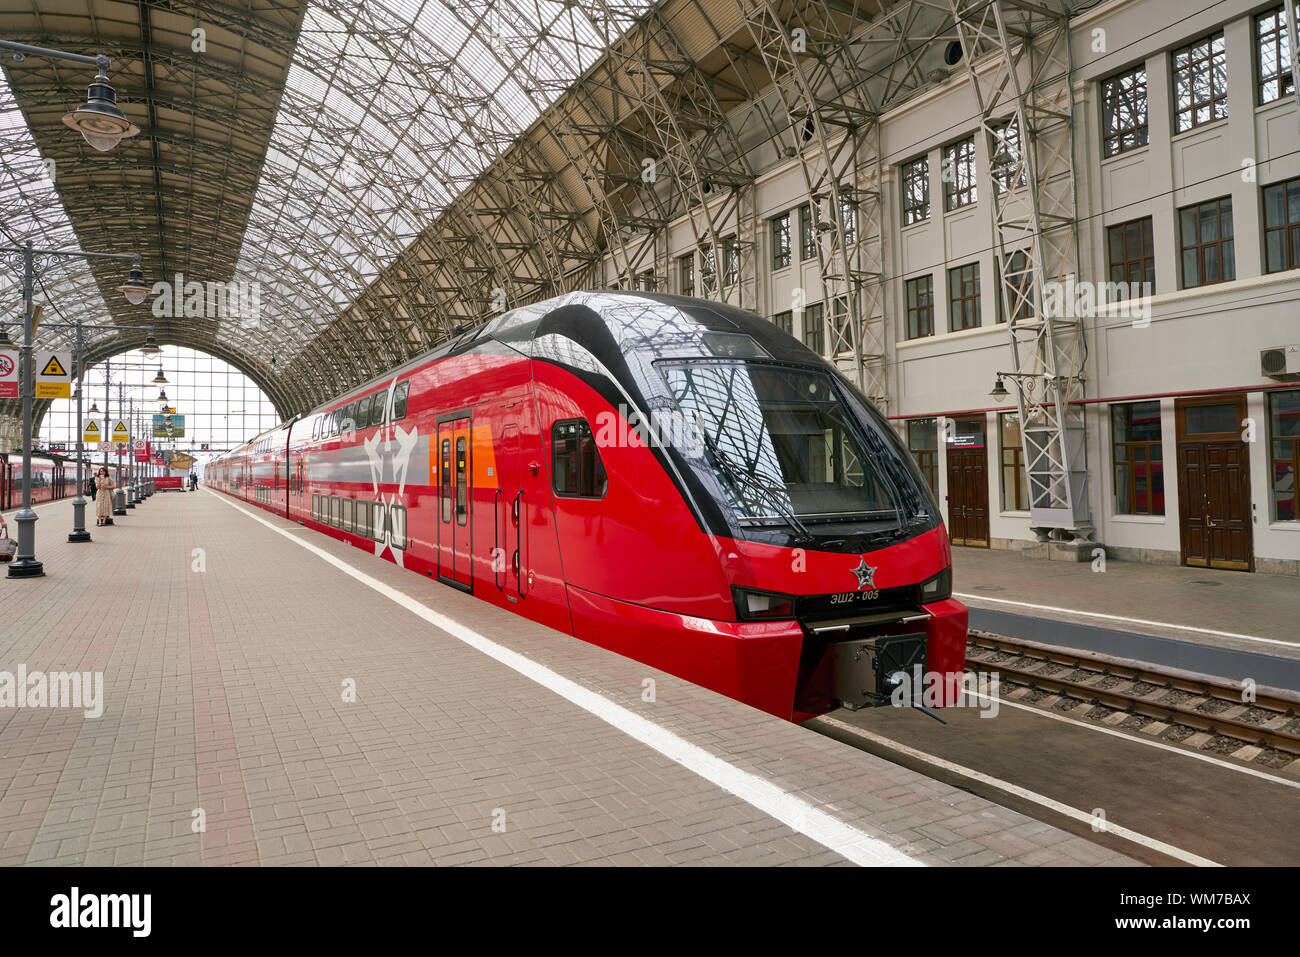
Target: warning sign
(53,378)
(91,434)
(8,375)
(120,432)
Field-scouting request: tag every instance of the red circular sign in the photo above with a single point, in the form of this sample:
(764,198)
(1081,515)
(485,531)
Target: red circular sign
(6,365)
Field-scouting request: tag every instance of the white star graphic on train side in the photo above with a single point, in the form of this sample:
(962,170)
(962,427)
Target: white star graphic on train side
(378,448)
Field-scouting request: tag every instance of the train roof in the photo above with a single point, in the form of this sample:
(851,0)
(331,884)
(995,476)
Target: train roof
(662,324)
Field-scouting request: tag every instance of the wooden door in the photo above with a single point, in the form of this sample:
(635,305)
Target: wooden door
(1215,523)
(968,485)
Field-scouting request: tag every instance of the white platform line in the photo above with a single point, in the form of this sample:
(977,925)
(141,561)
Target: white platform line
(796,813)
(1136,621)
(1033,796)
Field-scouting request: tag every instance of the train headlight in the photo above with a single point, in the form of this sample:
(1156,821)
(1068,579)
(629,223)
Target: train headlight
(760,605)
(937,588)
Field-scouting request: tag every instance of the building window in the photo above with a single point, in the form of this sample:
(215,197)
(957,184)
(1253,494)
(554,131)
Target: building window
(1124,111)
(1132,256)
(920,307)
(646,281)
(1273,56)
(1207,249)
(785,322)
(916,191)
(1005,159)
(781,241)
(923,443)
(1284,442)
(1015,490)
(730,260)
(577,469)
(807,243)
(1138,458)
(814,336)
(1282,226)
(840,323)
(959,175)
(848,217)
(1200,83)
(964,297)
(686,274)
(1019,287)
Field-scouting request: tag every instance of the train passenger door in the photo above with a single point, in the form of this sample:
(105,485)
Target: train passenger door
(455,501)
(511,518)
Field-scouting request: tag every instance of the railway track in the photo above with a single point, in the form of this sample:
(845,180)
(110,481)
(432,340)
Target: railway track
(1263,728)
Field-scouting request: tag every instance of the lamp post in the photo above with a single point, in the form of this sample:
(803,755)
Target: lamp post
(33,263)
(79,533)
(98,120)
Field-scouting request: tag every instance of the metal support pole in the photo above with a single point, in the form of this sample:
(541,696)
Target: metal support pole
(130,454)
(79,533)
(119,509)
(25,564)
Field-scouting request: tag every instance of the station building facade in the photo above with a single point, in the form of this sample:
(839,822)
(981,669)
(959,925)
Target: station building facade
(1187,178)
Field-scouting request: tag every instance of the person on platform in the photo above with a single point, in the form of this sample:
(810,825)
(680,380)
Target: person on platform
(103,506)
(90,487)
(194,481)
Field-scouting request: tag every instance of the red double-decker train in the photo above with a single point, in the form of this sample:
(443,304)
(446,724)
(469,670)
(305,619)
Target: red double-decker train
(672,479)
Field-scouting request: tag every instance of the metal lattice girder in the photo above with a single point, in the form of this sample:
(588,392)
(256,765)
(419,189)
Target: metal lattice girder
(1018,61)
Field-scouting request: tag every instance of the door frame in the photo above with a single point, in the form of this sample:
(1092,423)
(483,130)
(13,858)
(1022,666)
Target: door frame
(1181,438)
(949,460)
(466,414)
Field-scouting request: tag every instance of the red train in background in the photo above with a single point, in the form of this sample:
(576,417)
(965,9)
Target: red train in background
(675,480)
(53,478)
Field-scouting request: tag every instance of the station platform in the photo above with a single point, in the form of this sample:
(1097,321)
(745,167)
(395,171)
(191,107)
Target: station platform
(228,640)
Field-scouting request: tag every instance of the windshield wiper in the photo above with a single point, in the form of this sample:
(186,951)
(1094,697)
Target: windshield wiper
(763,487)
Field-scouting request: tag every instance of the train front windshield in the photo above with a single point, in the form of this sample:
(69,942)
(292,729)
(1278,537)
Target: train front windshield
(783,444)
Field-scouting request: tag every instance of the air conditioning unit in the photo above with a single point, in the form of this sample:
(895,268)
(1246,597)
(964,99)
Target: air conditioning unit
(1282,363)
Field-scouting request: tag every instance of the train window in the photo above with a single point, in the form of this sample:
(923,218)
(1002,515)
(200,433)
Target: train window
(380,522)
(334,511)
(315,508)
(446,480)
(377,410)
(577,468)
(462,487)
(397,525)
(349,516)
(399,400)
(363,518)
(336,417)
(315,428)
(363,412)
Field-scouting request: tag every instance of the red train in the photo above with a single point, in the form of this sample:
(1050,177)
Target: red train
(53,477)
(675,480)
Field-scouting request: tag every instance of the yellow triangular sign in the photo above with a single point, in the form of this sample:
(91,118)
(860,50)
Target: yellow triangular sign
(54,367)
(92,427)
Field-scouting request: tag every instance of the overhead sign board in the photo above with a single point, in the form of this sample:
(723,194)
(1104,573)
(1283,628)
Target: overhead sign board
(120,432)
(8,374)
(53,375)
(91,433)
(168,426)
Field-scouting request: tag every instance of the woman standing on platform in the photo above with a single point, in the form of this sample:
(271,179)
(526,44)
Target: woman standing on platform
(103,502)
